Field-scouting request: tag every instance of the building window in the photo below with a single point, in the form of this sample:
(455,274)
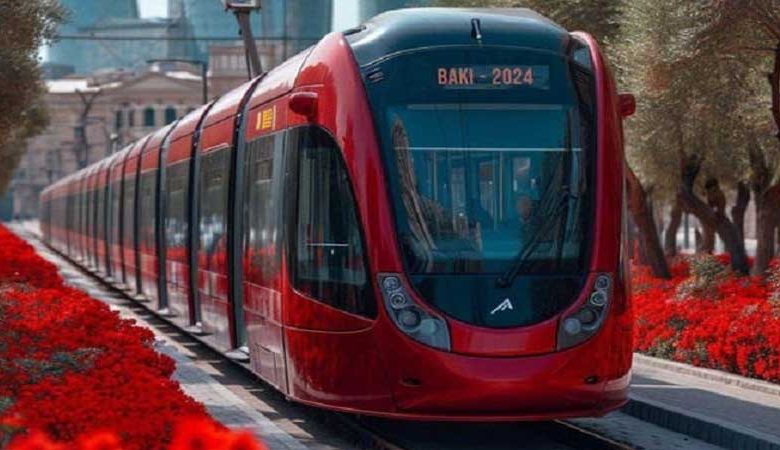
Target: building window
(131,118)
(170,114)
(149,118)
(118,120)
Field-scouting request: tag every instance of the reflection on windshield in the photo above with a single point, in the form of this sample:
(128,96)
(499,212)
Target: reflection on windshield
(476,183)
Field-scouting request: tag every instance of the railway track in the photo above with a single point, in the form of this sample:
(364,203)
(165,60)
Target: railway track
(381,434)
(400,435)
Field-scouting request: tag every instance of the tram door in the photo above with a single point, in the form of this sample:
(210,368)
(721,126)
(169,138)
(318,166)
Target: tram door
(261,250)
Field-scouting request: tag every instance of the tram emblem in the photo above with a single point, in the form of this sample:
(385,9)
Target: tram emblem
(503,306)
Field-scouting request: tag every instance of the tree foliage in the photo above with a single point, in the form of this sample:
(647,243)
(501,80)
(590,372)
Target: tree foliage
(24,27)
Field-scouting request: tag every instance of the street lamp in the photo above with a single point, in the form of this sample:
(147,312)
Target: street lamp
(194,62)
(242,9)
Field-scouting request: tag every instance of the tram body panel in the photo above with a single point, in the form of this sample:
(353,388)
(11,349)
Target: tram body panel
(212,257)
(130,212)
(178,167)
(116,223)
(262,244)
(92,217)
(103,215)
(180,232)
(150,209)
(361,217)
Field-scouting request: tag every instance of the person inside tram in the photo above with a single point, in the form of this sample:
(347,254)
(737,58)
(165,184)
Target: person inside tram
(525,221)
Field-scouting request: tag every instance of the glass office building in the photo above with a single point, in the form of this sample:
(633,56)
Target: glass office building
(84,14)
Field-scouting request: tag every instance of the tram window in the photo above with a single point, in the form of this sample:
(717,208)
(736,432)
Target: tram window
(147,211)
(114,223)
(215,166)
(129,211)
(329,258)
(261,213)
(100,222)
(176,221)
(94,216)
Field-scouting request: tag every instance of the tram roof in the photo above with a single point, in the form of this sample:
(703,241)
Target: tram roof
(405,29)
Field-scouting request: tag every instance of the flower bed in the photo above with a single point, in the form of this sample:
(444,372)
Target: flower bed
(707,316)
(73,375)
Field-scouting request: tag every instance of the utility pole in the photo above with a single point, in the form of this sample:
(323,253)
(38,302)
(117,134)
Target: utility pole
(80,130)
(242,9)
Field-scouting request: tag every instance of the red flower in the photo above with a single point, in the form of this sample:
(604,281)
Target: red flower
(80,377)
(737,330)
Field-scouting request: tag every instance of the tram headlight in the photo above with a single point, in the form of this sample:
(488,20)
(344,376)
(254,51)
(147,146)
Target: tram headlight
(409,319)
(398,300)
(412,320)
(583,323)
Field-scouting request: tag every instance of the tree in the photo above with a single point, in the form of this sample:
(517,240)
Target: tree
(685,141)
(748,31)
(24,27)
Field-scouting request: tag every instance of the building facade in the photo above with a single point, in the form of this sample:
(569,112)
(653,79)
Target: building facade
(123,106)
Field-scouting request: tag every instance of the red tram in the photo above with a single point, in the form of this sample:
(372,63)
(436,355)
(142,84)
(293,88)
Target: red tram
(419,218)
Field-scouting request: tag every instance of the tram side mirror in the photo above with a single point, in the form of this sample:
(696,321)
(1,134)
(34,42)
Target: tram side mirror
(627,103)
(304,103)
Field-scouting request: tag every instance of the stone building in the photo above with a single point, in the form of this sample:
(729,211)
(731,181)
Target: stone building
(121,107)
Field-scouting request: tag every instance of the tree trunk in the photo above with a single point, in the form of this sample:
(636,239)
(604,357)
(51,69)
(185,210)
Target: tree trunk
(777,239)
(670,235)
(739,208)
(774,85)
(711,217)
(767,218)
(707,239)
(642,214)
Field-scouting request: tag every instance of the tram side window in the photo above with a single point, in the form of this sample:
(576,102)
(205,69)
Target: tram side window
(99,212)
(261,211)
(147,210)
(93,213)
(114,224)
(214,171)
(176,222)
(85,220)
(329,258)
(69,211)
(82,214)
(129,211)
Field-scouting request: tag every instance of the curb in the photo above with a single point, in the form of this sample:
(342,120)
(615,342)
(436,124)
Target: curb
(695,425)
(708,374)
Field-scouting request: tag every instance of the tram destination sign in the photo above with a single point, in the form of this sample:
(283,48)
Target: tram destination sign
(493,77)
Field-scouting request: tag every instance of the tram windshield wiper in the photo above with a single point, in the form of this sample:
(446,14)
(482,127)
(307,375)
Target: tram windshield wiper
(518,263)
(560,203)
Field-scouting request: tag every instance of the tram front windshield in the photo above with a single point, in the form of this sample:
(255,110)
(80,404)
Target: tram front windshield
(488,157)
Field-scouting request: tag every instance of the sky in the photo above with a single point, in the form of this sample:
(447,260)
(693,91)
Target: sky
(345,14)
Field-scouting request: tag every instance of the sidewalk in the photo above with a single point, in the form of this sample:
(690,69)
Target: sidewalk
(723,409)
